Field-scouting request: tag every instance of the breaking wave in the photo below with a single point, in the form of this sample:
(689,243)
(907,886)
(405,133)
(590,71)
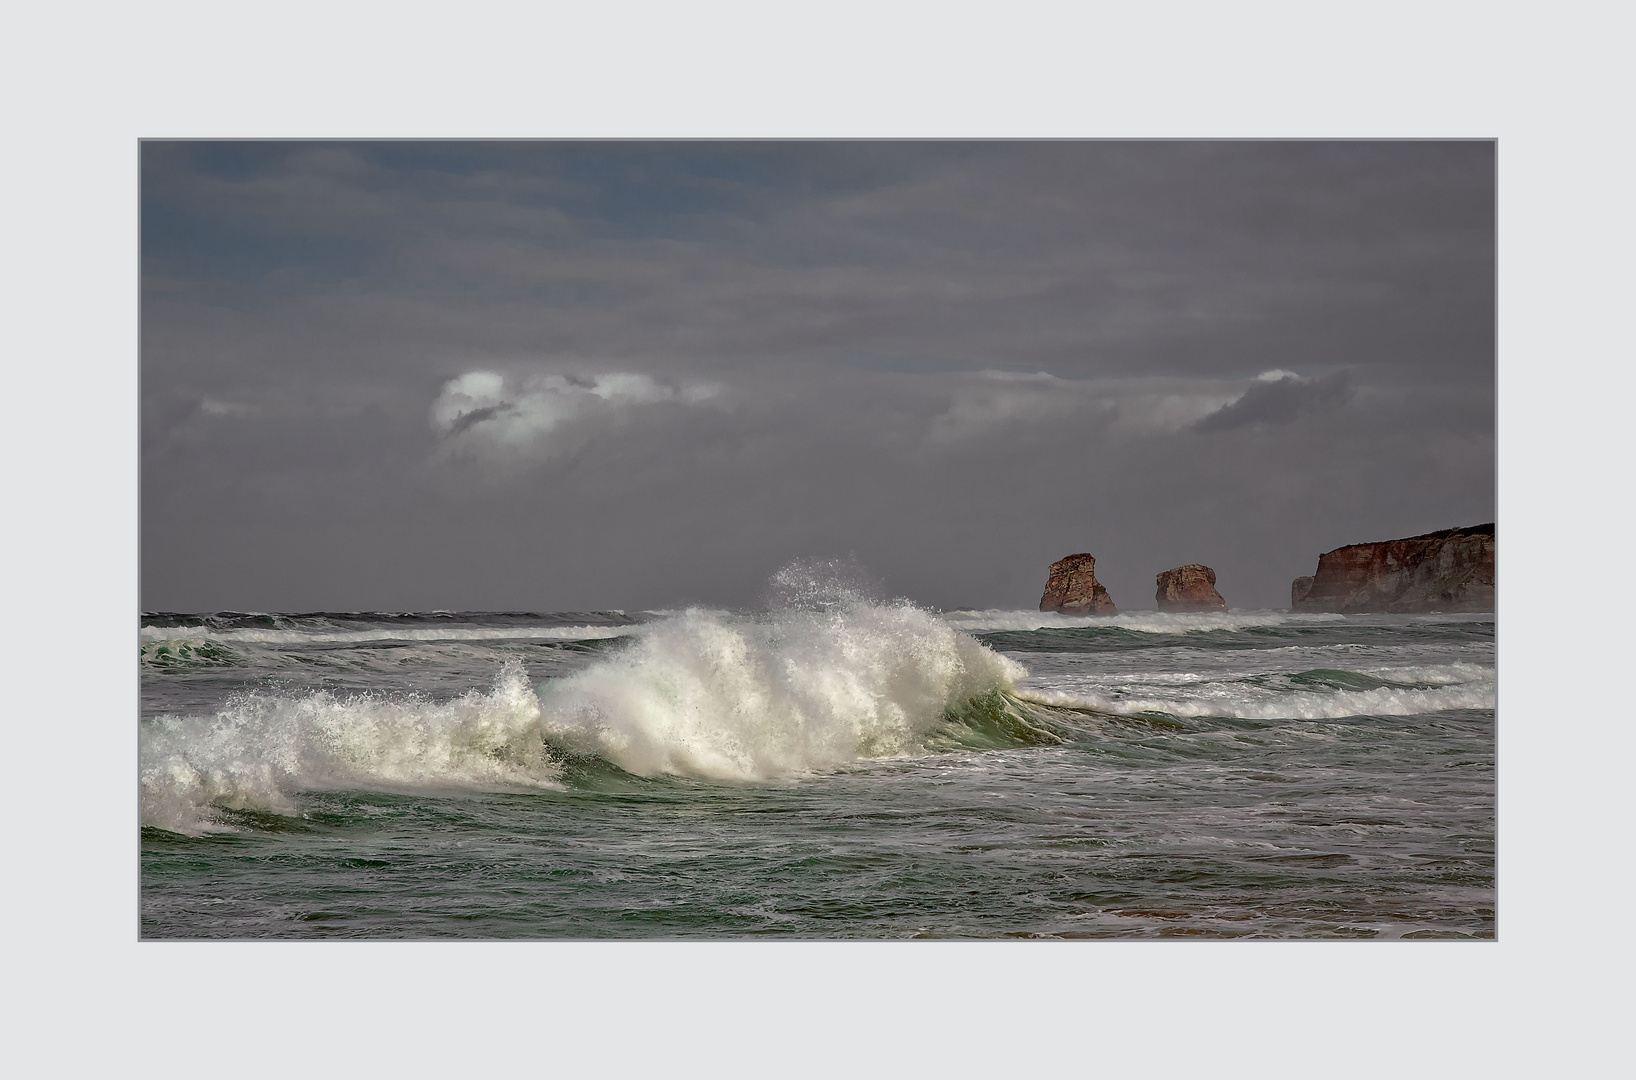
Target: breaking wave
(743,699)
(702,694)
(260,748)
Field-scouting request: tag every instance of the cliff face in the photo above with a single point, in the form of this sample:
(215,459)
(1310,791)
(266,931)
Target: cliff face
(1452,570)
(1189,588)
(1072,588)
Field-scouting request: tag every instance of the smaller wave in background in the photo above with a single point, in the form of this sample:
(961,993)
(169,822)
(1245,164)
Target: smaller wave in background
(1320,693)
(1141,622)
(360,637)
(187,653)
(234,620)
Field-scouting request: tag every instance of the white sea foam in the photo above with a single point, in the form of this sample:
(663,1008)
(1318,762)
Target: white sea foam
(1143,622)
(259,636)
(704,694)
(728,697)
(1455,674)
(260,748)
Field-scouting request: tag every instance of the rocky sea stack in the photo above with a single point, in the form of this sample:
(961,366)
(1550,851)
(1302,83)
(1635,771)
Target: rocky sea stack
(1189,588)
(1073,589)
(1451,570)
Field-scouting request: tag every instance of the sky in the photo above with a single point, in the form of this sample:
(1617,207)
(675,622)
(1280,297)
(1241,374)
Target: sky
(579,376)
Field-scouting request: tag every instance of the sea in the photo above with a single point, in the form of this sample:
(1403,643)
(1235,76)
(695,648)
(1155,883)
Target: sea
(833,765)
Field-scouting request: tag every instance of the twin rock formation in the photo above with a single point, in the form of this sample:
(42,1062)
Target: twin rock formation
(1072,589)
(1451,570)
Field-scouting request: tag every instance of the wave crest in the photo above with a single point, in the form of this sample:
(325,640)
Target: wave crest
(801,690)
(702,694)
(261,747)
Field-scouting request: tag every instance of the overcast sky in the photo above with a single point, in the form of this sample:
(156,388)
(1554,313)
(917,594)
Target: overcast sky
(568,376)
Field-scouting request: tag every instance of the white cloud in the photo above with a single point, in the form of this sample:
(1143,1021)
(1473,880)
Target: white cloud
(489,413)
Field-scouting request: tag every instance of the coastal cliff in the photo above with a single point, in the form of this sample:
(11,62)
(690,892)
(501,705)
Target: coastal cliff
(1072,588)
(1189,588)
(1451,570)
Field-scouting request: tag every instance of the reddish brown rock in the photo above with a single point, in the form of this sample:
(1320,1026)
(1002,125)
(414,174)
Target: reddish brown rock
(1451,570)
(1189,588)
(1299,590)
(1073,589)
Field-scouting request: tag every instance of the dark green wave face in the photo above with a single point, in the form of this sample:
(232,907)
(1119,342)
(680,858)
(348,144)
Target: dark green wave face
(873,772)
(177,656)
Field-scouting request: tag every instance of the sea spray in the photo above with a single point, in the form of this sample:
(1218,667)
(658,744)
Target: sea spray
(828,679)
(261,747)
(805,688)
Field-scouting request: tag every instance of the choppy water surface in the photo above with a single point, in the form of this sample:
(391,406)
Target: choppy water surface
(840,770)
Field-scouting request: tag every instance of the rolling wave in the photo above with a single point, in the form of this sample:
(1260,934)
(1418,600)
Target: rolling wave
(262,747)
(732,698)
(187,653)
(703,694)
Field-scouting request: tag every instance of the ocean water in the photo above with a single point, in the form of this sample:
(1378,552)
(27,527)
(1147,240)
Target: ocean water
(832,767)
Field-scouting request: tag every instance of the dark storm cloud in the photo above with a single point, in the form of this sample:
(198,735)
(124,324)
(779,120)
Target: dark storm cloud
(1076,256)
(585,375)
